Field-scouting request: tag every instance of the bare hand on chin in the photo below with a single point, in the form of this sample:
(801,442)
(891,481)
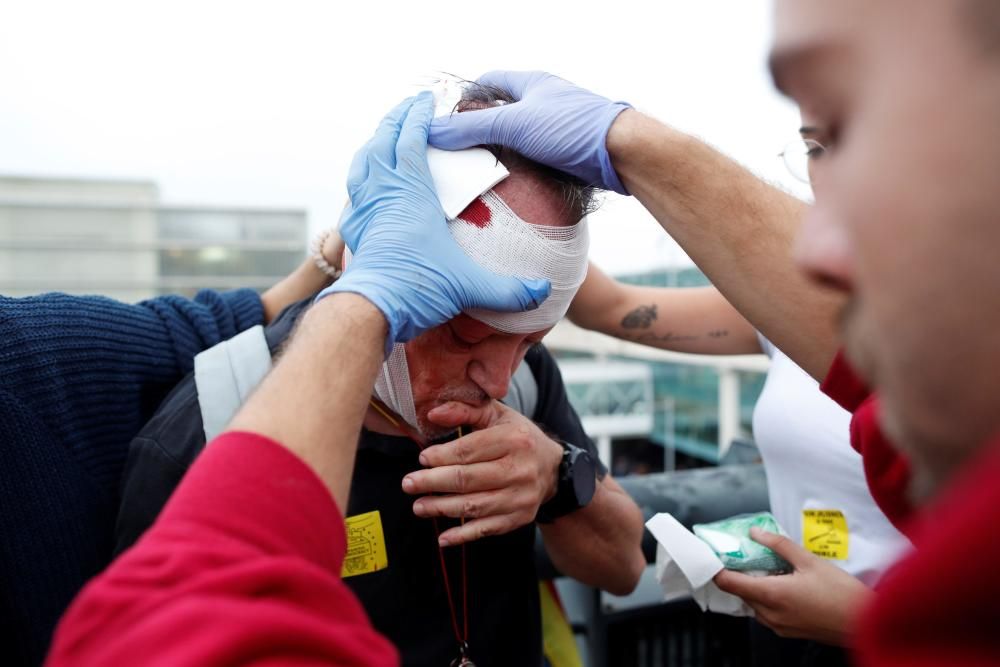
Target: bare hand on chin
(495,477)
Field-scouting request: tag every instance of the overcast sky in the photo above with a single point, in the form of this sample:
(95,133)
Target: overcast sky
(264,103)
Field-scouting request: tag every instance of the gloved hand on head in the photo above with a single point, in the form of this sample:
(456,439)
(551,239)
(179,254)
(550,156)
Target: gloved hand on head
(552,122)
(405,259)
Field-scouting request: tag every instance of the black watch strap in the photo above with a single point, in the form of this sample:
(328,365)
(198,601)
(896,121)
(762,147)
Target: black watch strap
(575,486)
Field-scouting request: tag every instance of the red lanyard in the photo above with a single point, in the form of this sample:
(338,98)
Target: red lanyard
(461,637)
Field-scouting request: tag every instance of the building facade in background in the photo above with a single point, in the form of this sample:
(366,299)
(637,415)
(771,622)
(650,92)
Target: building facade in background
(115,237)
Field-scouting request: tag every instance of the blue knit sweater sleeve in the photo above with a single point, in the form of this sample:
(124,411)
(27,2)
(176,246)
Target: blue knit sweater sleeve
(79,377)
(94,369)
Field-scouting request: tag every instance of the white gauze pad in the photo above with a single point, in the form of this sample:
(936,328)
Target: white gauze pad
(461,176)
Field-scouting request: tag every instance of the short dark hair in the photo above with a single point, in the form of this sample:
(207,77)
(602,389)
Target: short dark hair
(579,198)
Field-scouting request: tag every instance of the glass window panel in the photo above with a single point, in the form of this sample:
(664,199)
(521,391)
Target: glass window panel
(199,226)
(215,260)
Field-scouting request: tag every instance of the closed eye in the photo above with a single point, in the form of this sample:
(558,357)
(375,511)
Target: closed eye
(464,343)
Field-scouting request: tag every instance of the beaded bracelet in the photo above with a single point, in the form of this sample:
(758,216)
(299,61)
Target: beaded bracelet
(316,251)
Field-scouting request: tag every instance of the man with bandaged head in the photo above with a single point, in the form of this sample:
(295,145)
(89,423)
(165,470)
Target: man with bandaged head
(441,528)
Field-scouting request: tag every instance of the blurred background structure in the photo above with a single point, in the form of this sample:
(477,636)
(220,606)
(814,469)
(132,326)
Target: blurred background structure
(115,237)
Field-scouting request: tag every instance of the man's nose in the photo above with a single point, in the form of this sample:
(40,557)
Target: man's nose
(492,370)
(823,250)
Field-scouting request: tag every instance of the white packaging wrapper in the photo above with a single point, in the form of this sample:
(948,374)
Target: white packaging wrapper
(685,566)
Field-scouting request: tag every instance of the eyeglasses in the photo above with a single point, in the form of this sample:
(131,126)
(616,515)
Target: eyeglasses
(798,154)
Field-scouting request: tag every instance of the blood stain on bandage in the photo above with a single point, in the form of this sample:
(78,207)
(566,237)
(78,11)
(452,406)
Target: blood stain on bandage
(477,213)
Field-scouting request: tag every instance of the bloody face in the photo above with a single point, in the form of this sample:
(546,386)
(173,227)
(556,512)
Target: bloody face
(462,360)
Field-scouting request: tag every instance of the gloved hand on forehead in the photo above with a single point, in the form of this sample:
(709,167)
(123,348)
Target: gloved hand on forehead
(552,122)
(405,260)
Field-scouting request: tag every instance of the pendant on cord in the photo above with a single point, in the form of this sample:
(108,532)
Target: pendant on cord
(461,635)
(463,657)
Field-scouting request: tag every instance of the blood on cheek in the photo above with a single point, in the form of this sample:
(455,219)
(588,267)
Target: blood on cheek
(437,364)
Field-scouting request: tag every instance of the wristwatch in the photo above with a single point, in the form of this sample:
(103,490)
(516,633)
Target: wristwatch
(575,487)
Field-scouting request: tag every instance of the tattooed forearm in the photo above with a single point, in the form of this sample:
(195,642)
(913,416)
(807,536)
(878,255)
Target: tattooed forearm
(640,318)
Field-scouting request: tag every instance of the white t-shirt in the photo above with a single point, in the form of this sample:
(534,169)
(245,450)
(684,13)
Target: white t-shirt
(815,478)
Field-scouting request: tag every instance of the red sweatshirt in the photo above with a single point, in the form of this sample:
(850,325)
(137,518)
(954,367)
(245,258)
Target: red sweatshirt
(941,604)
(242,567)
(886,470)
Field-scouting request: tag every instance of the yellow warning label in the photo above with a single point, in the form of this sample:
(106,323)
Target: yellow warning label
(824,532)
(365,545)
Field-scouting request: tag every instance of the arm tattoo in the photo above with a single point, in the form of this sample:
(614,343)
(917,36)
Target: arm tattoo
(640,318)
(643,317)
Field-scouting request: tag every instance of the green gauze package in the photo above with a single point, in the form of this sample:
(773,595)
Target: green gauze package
(731,542)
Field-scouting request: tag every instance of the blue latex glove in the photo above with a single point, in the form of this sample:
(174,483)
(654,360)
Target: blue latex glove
(405,259)
(553,122)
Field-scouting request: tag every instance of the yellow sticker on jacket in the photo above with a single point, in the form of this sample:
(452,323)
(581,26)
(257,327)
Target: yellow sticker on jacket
(824,532)
(365,545)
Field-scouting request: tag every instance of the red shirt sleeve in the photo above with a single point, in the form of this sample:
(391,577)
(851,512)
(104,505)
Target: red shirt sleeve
(939,605)
(242,567)
(887,472)
(843,385)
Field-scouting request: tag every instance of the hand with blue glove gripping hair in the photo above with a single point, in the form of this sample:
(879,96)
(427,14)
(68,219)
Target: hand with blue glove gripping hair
(552,122)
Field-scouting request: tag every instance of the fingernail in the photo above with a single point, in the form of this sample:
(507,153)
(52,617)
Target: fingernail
(423,459)
(418,509)
(408,485)
(444,541)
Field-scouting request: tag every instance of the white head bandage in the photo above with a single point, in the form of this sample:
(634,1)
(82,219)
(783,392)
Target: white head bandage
(507,245)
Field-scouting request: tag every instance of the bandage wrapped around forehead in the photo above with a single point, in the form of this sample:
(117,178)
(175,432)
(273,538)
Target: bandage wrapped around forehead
(498,240)
(493,235)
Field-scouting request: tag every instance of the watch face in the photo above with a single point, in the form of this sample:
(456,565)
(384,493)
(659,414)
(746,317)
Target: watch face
(584,474)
